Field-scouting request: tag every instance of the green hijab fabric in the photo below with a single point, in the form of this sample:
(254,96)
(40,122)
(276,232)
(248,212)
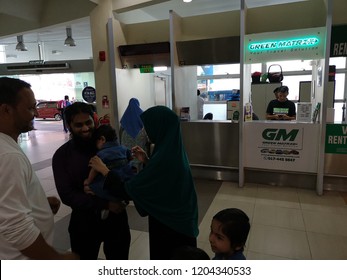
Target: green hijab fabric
(165,189)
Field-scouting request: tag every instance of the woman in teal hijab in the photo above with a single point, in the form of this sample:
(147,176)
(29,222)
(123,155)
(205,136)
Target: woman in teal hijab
(164,189)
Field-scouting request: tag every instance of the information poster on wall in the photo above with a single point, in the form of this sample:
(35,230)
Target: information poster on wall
(304,112)
(277,146)
(336,139)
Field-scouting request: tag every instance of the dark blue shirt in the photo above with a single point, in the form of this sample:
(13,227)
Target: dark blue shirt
(238,255)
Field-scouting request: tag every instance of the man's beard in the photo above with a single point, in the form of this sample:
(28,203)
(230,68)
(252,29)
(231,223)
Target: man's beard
(27,128)
(82,143)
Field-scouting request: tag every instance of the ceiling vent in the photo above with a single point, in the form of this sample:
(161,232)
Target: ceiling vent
(225,50)
(38,67)
(155,54)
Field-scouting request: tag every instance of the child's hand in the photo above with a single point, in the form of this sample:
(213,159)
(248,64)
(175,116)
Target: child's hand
(86,187)
(139,153)
(97,164)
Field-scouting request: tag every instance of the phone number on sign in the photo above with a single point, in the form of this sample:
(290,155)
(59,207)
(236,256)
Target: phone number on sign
(221,270)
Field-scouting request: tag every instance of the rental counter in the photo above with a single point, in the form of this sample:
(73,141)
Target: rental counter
(335,162)
(282,145)
(212,148)
(281,153)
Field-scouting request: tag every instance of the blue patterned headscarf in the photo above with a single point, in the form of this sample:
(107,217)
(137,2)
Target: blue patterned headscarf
(131,121)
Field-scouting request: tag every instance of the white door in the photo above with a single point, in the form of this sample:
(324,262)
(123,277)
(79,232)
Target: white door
(160,90)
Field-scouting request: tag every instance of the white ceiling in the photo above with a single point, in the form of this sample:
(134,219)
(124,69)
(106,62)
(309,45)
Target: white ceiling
(51,39)
(194,8)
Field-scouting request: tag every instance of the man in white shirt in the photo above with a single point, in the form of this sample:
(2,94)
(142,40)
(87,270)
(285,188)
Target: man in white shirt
(200,106)
(26,215)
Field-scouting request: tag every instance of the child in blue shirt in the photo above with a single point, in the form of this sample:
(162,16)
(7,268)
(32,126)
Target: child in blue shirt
(116,157)
(229,232)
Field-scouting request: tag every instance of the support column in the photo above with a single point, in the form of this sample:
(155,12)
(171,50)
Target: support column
(101,21)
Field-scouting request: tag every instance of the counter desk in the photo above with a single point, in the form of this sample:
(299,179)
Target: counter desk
(282,145)
(335,161)
(281,153)
(212,148)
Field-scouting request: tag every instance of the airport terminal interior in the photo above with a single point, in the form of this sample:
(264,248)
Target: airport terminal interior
(289,220)
(286,222)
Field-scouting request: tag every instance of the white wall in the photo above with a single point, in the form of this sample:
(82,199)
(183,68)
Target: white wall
(131,83)
(186,90)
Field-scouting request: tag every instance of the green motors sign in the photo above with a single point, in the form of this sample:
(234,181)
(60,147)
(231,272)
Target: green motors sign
(284,44)
(336,139)
(300,44)
(280,134)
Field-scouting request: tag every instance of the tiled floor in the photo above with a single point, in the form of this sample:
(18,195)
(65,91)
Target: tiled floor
(286,223)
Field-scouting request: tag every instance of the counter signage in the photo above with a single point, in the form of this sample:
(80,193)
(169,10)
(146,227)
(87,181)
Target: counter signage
(336,139)
(293,44)
(338,45)
(146,68)
(304,112)
(280,146)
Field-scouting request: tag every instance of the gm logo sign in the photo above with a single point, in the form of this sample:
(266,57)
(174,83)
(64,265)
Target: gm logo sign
(280,134)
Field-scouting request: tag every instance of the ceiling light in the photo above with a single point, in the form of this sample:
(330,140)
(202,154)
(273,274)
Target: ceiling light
(187,1)
(20,45)
(69,41)
(11,56)
(159,68)
(56,52)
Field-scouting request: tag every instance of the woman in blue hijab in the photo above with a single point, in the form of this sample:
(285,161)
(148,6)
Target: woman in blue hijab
(164,190)
(131,131)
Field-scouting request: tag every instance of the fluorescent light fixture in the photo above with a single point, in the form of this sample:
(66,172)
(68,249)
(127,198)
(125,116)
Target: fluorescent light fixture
(187,1)
(159,68)
(11,56)
(69,41)
(20,45)
(56,52)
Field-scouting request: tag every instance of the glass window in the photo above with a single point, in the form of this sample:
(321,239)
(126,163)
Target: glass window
(293,82)
(226,69)
(339,62)
(41,105)
(2,54)
(223,84)
(291,65)
(56,86)
(52,105)
(223,69)
(338,111)
(339,86)
(256,67)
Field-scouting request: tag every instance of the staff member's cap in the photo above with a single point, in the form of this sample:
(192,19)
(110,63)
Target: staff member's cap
(283,89)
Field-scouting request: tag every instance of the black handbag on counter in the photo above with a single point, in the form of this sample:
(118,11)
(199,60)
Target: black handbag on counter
(275,77)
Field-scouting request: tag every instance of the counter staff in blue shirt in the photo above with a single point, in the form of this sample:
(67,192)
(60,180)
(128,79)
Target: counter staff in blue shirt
(281,108)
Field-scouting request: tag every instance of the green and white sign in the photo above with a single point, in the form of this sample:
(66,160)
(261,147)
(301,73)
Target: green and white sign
(281,146)
(292,44)
(302,42)
(146,68)
(336,139)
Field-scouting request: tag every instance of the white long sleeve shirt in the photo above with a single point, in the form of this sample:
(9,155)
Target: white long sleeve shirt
(24,209)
